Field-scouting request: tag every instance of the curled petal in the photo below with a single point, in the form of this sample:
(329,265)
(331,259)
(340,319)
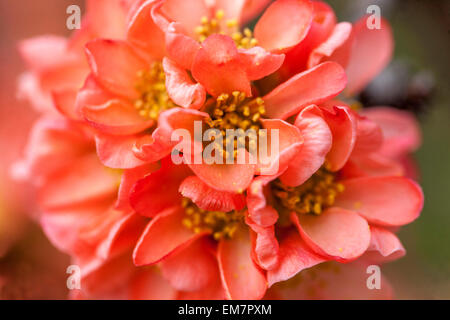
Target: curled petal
(284,24)
(241,278)
(259,62)
(208,198)
(384,245)
(371,52)
(218,67)
(180,87)
(317,143)
(188,13)
(387,201)
(336,233)
(259,211)
(313,86)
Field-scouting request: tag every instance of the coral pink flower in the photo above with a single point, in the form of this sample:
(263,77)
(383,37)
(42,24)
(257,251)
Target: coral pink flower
(57,66)
(339,196)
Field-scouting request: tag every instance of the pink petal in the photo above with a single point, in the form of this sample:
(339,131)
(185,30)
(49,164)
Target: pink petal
(372,51)
(108,18)
(180,87)
(387,201)
(144,33)
(163,235)
(313,86)
(317,143)
(188,13)
(343,127)
(115,65)
(218,67)
(265,246)
(384,246)
(181,48)
(336,233)
(116,117)
(65,102)
(191,268)
(372,165)
(284,24)
(242,279)
(401,131)
(149,196)
(294,256)
(149,284)
(259,211)
(208,198)
(369,137)
(83,180)
(259,62)
(117,151)
(335,41)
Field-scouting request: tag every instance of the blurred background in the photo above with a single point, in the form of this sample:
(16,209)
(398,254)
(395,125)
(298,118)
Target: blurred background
(417,79)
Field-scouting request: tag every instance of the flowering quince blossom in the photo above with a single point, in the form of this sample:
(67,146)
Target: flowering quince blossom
(142,227)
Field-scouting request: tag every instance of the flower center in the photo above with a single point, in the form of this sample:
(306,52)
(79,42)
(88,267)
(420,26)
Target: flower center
(243,39)
(153,97)
(313,196)
(222,225)
(235,112)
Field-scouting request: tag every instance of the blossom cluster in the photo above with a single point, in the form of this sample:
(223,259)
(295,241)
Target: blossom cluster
(140,226)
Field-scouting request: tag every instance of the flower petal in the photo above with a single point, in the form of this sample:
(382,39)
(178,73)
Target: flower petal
(188,13)
(259,211)
(317,143)
(384,246)
(115,65)
(208,198)
(313,86)
(294,256)
(371,52)
(218,67)
(163,235)
(149,284)
(284,24)
(386,201)
(180,87)
(259,62)
(242,279)
(336,233)
(191,268)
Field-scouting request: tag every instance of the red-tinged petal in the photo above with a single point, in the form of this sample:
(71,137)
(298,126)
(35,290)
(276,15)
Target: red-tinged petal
(122,236)
(372,165)
(107,18)
(149,284)
(283,142)
(250,10)
(92,94)
(334,281)
(117,151)
(371,52)
(265,246)
(284,24)
(387,201)
(65,102)
(241,278)
(335,41)
(321,27)
(218,67)
(214,291)
(369,137)
(115,66)
(83,180)
(260,212)
(188,13)
(180,87)
(191,268)
(294,256)
(338,234)
(144,33)
(259,62)
(401,131)
(208,198)
(129,179)
(384,246)
(181,48)
(317,143)
(116,117)
(149,196)
(234,178)
(313,86)
(342,124)
(163,235)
